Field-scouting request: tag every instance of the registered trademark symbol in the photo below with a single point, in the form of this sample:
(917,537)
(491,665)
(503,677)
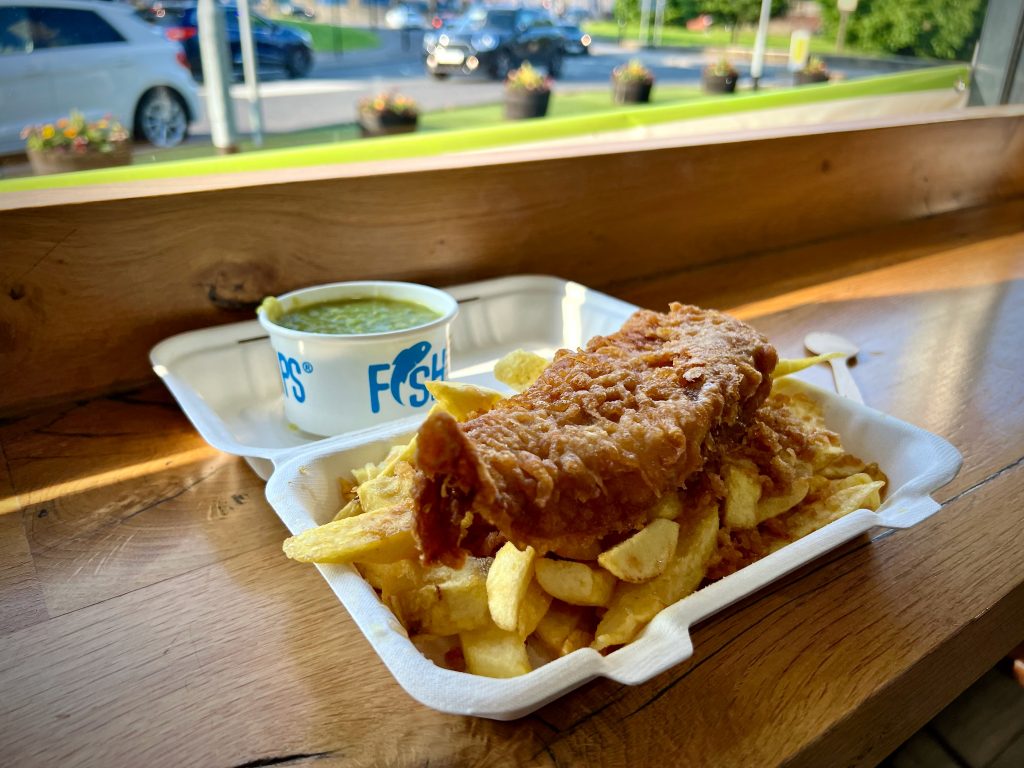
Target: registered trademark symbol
(307,367)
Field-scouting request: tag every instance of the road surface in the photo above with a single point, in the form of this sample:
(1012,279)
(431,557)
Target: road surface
(330,94)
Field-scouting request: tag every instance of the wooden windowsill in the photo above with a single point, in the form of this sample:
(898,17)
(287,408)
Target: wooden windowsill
(148,614)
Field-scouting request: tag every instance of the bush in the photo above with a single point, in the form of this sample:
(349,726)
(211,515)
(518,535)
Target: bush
(940,29)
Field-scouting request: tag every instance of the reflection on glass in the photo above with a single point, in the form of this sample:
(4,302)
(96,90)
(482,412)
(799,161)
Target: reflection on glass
(572,315)
(317,61)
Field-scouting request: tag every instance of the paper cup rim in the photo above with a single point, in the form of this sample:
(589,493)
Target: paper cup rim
(448,314)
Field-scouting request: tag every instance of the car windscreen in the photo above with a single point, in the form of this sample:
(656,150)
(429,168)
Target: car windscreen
(163,17)
(474,20)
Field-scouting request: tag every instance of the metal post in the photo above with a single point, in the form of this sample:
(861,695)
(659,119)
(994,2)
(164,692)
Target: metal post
(213,50)
(645,20)
(335,28)
(841,32)
(659,20)
(760,42)
(252,84)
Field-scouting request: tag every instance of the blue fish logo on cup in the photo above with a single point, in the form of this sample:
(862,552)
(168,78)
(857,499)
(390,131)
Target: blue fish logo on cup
(407,376)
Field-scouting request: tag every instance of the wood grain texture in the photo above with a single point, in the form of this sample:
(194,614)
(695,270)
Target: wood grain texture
(173,636)
(119,493)
(73,301)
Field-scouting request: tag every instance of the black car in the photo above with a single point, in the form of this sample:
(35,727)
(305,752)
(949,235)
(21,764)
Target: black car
(575,42)
(277,46)
(493,41)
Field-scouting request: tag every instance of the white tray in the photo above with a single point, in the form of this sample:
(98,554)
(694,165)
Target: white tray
(227,381)
(229,391)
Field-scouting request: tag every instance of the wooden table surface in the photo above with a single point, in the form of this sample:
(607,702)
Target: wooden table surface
(148,616)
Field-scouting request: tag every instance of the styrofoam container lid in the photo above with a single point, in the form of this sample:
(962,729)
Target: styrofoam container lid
(227,382)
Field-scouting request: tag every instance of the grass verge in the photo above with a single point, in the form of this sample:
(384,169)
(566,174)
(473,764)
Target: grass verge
(328,38)
(714,37)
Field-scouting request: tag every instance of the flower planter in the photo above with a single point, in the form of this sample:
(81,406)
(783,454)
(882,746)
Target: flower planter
(719,83)
(68,161)
(521,104)
(805,78)
(632,92)
(386,123)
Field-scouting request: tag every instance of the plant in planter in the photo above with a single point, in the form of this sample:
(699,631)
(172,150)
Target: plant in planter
(632,83)
(720,77)
(387,114)
(76,144)
(814,71)
(527,93)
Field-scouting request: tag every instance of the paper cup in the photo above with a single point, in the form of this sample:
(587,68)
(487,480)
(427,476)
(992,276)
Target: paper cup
(337,383)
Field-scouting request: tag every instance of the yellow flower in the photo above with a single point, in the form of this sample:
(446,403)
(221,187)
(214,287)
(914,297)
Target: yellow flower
(48,131)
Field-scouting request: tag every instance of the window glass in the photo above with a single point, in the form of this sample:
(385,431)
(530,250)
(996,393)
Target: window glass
(526,19)
(323,65)
(479,19)
(62,27)
(14,31)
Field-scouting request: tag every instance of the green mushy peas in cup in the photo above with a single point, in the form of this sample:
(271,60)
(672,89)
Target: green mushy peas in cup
(357,315)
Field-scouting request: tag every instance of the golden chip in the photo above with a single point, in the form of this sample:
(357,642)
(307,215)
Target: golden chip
(634,605)
(381,536)
(507,581)
(643,555)
(519,369)
(574,582)
(494,652)
(463,401)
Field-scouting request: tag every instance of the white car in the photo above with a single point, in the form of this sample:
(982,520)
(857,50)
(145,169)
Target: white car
(94,57)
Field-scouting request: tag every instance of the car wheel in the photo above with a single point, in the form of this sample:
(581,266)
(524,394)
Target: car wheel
(161,118)
(555,64)
(502,65)
(299,63)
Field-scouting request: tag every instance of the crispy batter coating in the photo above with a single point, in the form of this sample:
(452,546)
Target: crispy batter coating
(603,433)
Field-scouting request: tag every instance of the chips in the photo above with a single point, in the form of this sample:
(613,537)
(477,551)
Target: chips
(574,582)
(786,367)
(519,369)
(635,605)
(503,616)
(507,583)
(463,401)
(643,555)
(381,536)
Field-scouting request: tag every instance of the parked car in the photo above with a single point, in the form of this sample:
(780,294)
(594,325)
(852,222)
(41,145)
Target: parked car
(277,46)
(300,12)
(576,16)
(408,16)
(575,42)
(494,40)
(94,57)
(444,13)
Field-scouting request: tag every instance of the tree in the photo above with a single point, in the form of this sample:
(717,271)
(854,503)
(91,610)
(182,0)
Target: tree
(735,13)
(675,10)
(941,29)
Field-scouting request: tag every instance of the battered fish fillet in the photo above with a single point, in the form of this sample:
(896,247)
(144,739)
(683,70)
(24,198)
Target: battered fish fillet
(596,441)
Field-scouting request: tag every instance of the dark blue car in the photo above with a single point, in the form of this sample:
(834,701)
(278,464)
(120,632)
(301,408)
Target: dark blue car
(277,46)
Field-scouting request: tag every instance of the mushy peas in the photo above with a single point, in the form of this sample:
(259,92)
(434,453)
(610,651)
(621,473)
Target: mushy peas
(357,315)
